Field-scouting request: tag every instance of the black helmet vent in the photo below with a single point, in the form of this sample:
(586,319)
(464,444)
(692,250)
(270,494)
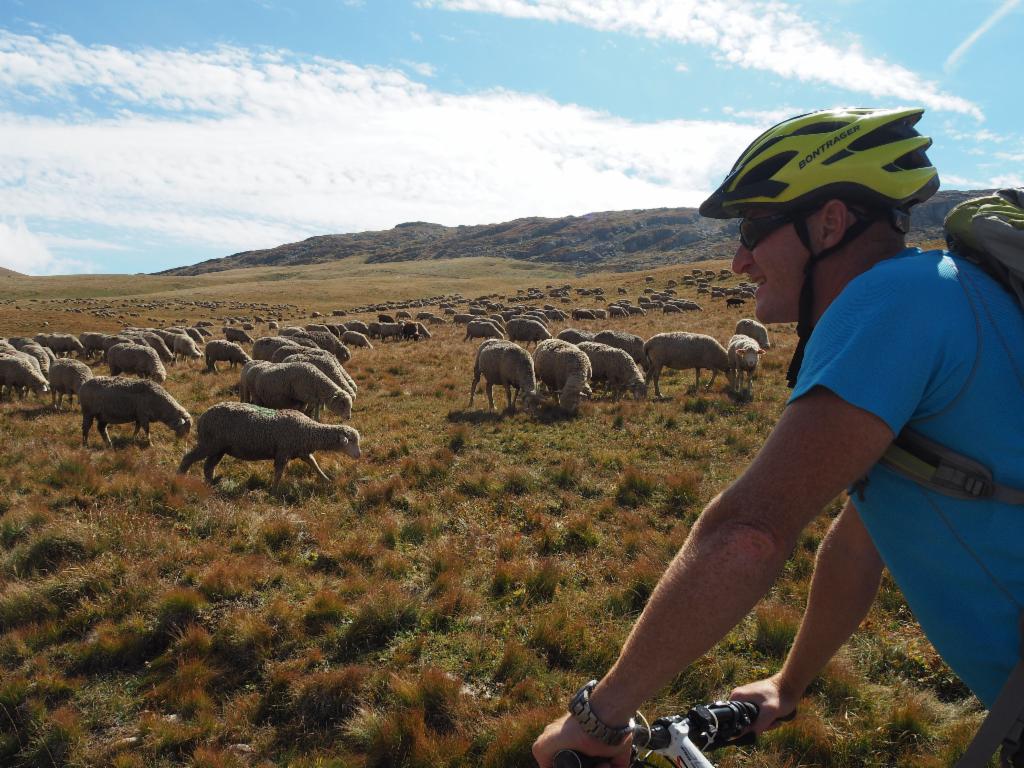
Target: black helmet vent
(813,128)
(764,171)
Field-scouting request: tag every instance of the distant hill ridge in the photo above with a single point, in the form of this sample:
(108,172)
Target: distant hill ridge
(4,272)
(611,240)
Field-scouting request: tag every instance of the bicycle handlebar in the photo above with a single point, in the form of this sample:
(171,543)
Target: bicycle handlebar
(709,726)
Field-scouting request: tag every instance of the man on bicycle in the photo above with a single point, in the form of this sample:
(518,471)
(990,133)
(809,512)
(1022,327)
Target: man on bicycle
(900,337)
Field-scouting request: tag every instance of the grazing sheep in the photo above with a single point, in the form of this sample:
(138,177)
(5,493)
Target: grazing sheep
(385,319)
(565,369)
(356,339)
(206,333)
(236,335)
(461,318)
(744,352)
(526,330)
(482,329)
(296,385)
(422,330)
(681,350)
(327,364)
(388,330)
(66,377)
(327,340)
(186,347)
(574,336)
(629,342)
(156,342)
(61,343)
(583,314)
(37,353)
(252,433)
(265,347)
(194,334)
(410,331)
(17,374)
(509,365)
(92,342)
(228,351)
(358,326)
(119,400)
(754,330)
(615,368)
(617,311)
(139,359)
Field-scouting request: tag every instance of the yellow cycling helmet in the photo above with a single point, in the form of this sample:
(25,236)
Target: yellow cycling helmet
(873,157)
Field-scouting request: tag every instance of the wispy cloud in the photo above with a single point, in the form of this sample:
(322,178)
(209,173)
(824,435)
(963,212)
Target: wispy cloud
(25,252)
(421,68)
(241,149)
(752,34)
(954,58)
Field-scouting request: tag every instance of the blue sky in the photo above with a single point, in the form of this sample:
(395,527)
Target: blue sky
(137,136)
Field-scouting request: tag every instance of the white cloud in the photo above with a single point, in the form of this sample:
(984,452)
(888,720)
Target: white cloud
(753,34)
(25,252)
(246,150)
(954,58)
(681,67)
(765,117)
(421,68)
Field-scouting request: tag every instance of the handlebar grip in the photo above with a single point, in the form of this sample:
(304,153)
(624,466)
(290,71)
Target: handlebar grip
(567,758)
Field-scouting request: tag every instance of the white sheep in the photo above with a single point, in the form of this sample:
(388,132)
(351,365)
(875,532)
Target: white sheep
(265,347)
(754,330)
(744,352)
(66,377)
(574,336)
(565,370)
(253,433)
(509,365)
(17,374)
(482,329)
(226,351)
(296,385)
(615,368)
(626,341)
(185,346)
(328,365)
(140,359)
(681,351)
(236,335)
(526,330)
(356,339)
(120,400)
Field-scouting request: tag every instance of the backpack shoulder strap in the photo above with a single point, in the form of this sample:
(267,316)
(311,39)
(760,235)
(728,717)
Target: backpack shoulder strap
(942,469)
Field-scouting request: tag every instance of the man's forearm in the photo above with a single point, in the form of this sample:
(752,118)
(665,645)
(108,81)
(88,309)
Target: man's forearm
(845,581)
(721,572)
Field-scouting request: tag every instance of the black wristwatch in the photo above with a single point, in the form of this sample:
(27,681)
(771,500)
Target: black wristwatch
(579,708)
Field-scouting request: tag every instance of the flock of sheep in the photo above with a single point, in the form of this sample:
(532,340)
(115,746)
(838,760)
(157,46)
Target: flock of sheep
(289,381)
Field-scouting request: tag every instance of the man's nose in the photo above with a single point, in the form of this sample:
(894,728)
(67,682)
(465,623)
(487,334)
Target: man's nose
(742,260)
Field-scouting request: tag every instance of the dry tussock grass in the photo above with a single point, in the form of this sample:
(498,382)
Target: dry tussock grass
(432,605)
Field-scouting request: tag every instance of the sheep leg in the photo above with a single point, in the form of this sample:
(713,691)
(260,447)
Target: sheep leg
(714,375)
(86,426)
(696,385)
(191,458)
(472,390)
(211,464)
(279,465)
(508,397)
(654,375)
(101,427)
(309,459)
(490,395)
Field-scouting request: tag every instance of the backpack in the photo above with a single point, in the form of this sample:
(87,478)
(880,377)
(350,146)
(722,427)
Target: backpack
(988,231)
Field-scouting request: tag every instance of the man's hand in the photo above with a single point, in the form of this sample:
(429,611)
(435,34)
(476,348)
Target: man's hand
(770,696)
(565,733)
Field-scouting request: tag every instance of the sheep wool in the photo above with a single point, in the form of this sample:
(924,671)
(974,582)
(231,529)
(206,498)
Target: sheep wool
(66,377)
(744,353)
(482,329)
(301,386)
(507,364)
(17,374)
(565,369)
(221,350)
(754,330)
(615,368)
(527,330)
(680,350)
(139,359)
(119,400)
(252,433)
(186,347)
(626,341)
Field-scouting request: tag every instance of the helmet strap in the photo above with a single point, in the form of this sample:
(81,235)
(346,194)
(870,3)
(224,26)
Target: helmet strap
(805,322)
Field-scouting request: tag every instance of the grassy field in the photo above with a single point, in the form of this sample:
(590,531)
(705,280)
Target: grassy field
(438,600)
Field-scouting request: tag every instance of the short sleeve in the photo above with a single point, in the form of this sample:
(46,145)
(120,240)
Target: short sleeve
(899,341)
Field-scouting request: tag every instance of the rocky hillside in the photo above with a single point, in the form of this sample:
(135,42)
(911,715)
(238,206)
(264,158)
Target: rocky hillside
(613,240)
(9,273)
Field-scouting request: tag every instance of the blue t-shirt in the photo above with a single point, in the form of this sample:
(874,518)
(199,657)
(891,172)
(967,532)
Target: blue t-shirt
(904,342)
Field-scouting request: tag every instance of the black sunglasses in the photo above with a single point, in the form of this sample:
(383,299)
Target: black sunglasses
(753,231)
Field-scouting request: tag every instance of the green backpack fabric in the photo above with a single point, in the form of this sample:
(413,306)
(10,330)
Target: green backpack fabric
(990,232)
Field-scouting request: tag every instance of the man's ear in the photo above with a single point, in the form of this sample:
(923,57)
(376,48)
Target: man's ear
(833,220)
